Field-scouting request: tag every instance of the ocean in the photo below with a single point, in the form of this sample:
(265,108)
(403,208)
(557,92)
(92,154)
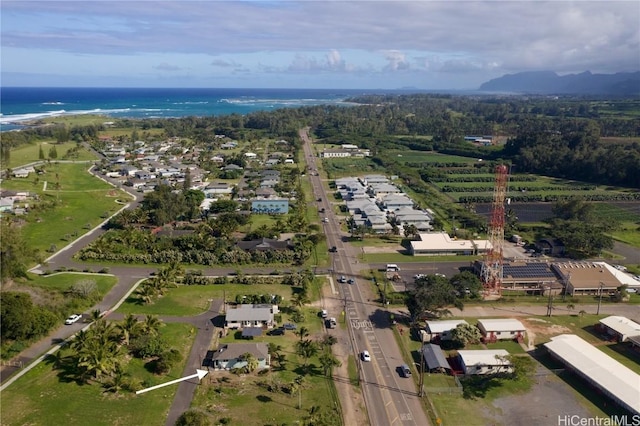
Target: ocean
(21,104)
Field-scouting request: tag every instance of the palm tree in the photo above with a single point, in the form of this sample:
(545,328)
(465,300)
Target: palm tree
(306,349)
(300,299)
(151,324)
(302,333)
(99,359)
(146,292)
(128,328)
(80,341)
(328,361)
(570,307)
(252,362)
(329,340)
(95,315)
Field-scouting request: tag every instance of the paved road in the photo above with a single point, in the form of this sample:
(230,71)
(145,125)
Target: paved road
(390,399)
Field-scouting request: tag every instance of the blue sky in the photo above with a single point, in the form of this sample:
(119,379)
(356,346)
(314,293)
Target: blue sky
(310,44)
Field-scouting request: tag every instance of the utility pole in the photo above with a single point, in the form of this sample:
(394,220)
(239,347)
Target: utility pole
(550,303)
(421,384)
(600,297)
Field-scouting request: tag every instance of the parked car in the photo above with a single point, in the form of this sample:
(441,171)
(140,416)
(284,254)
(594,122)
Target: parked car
(632,290)
(351,281)
(289,326)
(406,371)
(324,313)
(73,319)
(366,357)
(333,249)
(342,279)
(331,323)
(276,332)
(325,220)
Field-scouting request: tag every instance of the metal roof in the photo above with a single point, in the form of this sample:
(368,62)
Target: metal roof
(433,357)
(613,378)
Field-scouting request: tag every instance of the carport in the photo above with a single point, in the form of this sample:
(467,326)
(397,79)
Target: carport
(434,358)
(251,332)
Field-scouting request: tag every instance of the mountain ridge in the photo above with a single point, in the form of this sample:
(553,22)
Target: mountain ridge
(549,82)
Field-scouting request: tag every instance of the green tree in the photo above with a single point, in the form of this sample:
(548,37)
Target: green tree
(431,298)
(328,361)
(306,349)
(15,254)
(302,332)
(465,334)
(53,153)
(40,152)
(466,284)
(151,324)
(129,327)
(193,418)
(252,362)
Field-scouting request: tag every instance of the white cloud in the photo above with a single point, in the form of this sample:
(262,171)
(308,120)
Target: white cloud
(325,37)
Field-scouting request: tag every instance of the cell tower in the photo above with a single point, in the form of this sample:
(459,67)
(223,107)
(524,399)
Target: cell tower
(492,266)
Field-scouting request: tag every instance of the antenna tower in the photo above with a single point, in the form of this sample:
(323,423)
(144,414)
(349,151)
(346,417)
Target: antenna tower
(492,266)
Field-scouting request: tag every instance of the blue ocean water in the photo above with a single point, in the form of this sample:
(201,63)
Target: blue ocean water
(21,104)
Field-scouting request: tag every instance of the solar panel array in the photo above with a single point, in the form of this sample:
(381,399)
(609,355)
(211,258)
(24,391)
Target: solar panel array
(528,270)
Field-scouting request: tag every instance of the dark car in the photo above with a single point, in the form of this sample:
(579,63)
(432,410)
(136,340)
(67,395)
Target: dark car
(351,281)
(276,332)
(319,200)
(289,326)
(333,249)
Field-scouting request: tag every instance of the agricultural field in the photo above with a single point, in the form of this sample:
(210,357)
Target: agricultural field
(342,167)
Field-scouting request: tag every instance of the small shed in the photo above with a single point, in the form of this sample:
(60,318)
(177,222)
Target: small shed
(501,329)
(434,359)
(620,327)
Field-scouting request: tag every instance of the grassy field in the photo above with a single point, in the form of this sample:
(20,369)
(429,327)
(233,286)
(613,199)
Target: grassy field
(81,203)
(61,282)
(26,154)
(41,397)
(194,299)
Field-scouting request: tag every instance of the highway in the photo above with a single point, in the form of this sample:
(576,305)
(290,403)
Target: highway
(390,399)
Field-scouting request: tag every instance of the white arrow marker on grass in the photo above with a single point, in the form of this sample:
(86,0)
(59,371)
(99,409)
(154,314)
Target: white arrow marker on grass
(199,374)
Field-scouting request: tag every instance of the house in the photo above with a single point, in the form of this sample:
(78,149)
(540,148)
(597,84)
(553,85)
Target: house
(441,330)
(217,188)
(620,328)
(247,315)
(24,172)
(6,204)
(264,244)
(434,359)
(231,355)
(501,329)
(485,361)
(251,155)
(587,278)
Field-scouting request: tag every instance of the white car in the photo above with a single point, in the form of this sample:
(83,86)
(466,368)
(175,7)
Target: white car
(366,357)
(73,319)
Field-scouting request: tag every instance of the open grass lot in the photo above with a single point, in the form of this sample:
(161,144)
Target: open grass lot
(81,203)
(26,154)
(341,167)
(40,397)
(62,281)
(430,157)
(192,300)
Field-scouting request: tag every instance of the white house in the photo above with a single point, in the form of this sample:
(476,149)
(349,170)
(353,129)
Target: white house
(484,361)
(620,327)
(441,330)
(231,355)
(501,329)
(246,315)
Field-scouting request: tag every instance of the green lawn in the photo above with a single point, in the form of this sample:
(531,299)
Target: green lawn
(193,300)
(63,281)
(81,203)
(25,154)
(40,397)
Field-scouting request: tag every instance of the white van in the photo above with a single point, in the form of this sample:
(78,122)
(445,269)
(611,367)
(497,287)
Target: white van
(392,267)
